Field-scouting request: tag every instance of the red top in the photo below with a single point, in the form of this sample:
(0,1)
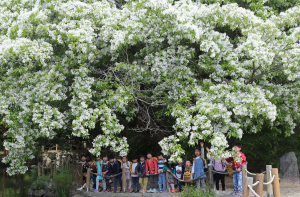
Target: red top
(151,166)
(238,163)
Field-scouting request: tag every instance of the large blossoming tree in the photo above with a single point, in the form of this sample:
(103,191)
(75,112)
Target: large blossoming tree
(190,70)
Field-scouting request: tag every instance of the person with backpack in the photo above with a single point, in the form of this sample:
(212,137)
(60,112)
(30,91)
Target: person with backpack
(198,169)
(99,163)
(179,175)
(115,171)
(162,180)
(141,171)
(239,159)
(151,169)
(187,173)
(127,164)
(220,166)
(171,167)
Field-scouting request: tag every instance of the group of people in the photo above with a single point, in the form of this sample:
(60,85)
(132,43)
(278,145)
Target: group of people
(147,166)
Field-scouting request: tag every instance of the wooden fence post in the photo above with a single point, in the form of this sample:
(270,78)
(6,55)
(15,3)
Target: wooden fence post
(44,165)
(43,148)
(123,178)
(276,187)
(270,186)
(78,169)
(88,179)
(56,147)
(244,175)
(81,175)
(247,192)
(39,169)
(51,171)
(211,177)
(260,187)
(73,174)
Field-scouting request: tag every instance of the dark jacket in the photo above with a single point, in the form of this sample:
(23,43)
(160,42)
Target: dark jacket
(93,168)
(141,169)
(105,168)
(114,169)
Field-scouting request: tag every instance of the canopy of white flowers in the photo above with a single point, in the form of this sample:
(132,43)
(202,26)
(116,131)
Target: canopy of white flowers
(70,64)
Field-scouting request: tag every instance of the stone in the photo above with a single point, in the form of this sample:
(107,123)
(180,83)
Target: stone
(49,194)
(39,193)
(289,170)
(30,192)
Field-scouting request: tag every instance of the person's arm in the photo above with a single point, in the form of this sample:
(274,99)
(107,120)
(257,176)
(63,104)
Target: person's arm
(155,166)
(193,169)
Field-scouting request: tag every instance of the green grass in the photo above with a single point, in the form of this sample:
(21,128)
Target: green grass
(192,191)
(65,178)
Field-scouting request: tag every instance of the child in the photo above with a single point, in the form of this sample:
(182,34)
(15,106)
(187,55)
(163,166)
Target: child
(84,172)
(105,174)
(187,173)
(141,170)
(151,168)
(126,164)
(171,167)
(134,176)
(115,169)
(238,160)
(219,165)
(99,162)
(198,169)
(179,174)
(161,174)
(93,171)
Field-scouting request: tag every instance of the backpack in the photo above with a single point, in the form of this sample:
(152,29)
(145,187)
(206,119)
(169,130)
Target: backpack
(187,175)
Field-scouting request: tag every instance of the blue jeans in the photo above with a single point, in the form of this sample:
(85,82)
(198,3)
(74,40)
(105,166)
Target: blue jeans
(162,180)
(238,181)
(118,178)
(179,186)
(136,184)
(94,180)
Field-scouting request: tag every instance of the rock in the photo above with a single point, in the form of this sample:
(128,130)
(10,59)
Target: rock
(289,170)
(39,193)
(49,194)
(30,192)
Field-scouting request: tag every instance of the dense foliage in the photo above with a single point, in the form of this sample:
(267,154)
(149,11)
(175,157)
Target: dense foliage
(181,69)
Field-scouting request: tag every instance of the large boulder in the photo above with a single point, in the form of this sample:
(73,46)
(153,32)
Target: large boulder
(289,170)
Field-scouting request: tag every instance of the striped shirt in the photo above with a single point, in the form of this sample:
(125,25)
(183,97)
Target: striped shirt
(160,164)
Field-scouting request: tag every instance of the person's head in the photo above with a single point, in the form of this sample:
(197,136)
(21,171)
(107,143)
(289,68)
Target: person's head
(237,147)
(134,159)
(149,155)
(201,142)
(105,157)
(180,162)
(111,158)
(188,163)
(83,157)
(89,161)
(98,158)
(160,155)
(142,158)
(197,152)
(84,172)
(124,159)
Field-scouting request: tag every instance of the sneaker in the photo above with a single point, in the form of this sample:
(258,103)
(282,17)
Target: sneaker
(79,189)
(141,191)
(96,190)
(233,193)
(160,191)
(129,189)
(150,191)
(154,191)
(223,192)
(173,190)
(137,191)
(177,191)
(103,190)
(115,191)
(239,193)
(133,191)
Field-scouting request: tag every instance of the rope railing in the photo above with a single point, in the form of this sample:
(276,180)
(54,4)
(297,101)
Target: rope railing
(271,181)
(254,184)
(253,191)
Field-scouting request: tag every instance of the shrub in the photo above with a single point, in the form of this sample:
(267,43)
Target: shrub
(192,191)
(63,191)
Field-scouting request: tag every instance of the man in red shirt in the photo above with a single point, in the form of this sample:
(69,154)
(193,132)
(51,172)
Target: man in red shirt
(238,159)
